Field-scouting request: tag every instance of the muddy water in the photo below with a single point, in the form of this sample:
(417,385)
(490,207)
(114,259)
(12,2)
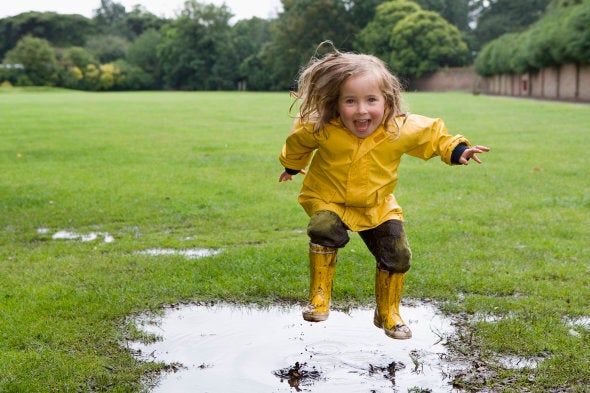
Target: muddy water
(226,348)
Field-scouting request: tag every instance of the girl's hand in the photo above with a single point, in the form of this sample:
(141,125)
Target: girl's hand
(285,176)
(471,153)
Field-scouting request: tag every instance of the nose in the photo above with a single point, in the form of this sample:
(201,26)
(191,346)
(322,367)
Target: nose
(361,108)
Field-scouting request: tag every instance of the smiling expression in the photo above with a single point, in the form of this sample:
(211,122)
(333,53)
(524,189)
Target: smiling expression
(361,104)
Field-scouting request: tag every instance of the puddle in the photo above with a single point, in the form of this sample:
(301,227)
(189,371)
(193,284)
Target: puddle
(519,363)
(189,253)
(230,348)
(577,324)
(86,237)
(581,322)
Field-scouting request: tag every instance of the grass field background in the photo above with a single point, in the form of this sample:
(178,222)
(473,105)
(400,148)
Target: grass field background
(506,240)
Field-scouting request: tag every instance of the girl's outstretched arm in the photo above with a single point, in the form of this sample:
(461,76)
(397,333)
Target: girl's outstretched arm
(471,153)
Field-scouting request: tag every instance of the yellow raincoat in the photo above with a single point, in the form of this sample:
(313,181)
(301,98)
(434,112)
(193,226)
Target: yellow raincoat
(355,177)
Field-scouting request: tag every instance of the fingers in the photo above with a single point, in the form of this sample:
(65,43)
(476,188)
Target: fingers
(284,177)
(480,149)
(476,149)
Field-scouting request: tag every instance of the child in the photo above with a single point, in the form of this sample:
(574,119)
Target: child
(350,121)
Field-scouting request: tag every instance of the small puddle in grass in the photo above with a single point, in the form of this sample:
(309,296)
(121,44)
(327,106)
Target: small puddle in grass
(229,348)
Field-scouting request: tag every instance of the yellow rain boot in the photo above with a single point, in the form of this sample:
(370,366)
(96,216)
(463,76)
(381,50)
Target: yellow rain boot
(322,264)
(388,294)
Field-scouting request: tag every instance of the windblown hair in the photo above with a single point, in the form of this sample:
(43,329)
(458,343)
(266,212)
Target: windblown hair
(320,81)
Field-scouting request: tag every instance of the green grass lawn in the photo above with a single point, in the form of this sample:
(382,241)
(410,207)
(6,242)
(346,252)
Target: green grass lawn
(504,245)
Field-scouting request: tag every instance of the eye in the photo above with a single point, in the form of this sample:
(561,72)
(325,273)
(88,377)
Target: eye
(349,101)
(373,99)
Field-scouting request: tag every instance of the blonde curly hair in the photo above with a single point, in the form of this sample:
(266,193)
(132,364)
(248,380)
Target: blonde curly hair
(320,81)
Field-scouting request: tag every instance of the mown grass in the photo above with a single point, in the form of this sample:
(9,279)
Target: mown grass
(506,241)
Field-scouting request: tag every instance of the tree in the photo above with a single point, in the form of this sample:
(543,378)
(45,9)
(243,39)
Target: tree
(562,36)
(248,38)
(361,12)
(132,77)
(59,30)
(79,57)
(424,42)
(507,16)
(496,57)
(456,12)
(74,62)
(575,35)
(376,37)
(107,48)
(38,59)
(553,4)
(110,17)
(143,53)
(113,19)
(298,31)
(196,51)
(139,21)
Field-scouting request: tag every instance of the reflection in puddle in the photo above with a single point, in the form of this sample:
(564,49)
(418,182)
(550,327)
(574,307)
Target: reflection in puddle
(230,348)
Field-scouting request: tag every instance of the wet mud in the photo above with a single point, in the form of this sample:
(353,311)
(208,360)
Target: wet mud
(223,348)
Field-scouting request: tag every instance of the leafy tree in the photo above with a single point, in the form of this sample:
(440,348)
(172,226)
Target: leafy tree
(196,51)
(562,36)
(376,37)
(113,19)
(424,42)
(248,38)
(361,12)
(456,12)
(507,16)
(38,59)
(107,48)
(143,53)
(553,4)
(139,20)
(79,57)
(110,17)
(132,77)
(496,57)
(59,30)
(298,31)
(576,38)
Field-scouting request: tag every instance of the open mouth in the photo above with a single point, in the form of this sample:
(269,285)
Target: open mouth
(362,125)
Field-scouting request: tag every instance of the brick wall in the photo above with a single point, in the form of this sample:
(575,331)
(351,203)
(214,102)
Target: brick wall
(447,79)
(569,82)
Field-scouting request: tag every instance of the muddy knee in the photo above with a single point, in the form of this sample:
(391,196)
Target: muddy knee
(327,229)
(396,259)
(389,246)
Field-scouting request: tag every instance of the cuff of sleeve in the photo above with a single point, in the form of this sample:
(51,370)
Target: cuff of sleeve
(458,152)
(292,171)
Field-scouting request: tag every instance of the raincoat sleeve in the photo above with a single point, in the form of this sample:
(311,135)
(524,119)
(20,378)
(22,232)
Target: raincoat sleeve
(431,138)
(298,148)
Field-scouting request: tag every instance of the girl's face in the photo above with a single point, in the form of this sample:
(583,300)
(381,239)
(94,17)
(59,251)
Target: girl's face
(361,104)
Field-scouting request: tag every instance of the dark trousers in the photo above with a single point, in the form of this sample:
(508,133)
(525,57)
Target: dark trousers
(387,242)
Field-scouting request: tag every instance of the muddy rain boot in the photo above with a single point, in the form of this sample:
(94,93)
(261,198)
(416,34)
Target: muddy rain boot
(322,264)
(388,294)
